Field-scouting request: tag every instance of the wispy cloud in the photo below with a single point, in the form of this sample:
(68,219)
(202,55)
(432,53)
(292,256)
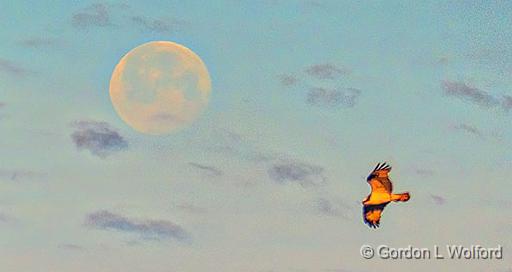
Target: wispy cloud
(287,80)
(319,95)
(424,172)
(468,93)
(120,15)
(209,171)
(155,25)
(507,102)
(333,98)
(146,228)
(2,106)
(95,15)
(330,208)
(4,218)
(468,129)
(38,42)
(438,200)
(327,71)
(20,175)
(190,208)
(234,144)
(338,270)
(73,247)
(11,68)
(443,60)
(97,137)
(304,174)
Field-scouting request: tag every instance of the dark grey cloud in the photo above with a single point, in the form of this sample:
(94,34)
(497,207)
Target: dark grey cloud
(330,208)
(154,25)
(468,129)
(475,95)
(287,80)
(327,71)
(468,93)
(303,174)
(95,15)
(97,137)
(146,228)
(333,98)
(207,170)
(438,200)
(11,68)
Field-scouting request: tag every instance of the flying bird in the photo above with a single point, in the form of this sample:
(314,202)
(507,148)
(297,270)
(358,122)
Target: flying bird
(381,195)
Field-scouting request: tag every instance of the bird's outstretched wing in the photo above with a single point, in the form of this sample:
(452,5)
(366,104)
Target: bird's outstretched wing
(372,214)
(379,179)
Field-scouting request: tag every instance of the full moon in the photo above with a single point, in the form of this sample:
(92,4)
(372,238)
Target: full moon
(160,87)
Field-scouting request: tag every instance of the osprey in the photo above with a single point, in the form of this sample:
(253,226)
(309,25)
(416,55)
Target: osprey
(381,195)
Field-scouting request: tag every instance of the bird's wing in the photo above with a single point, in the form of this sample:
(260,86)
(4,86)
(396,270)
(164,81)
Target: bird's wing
(372,214)
(379,179)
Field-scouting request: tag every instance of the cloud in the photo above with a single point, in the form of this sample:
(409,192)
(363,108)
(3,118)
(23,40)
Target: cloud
(20,175)
(104,15)
(207,170)
(97,137)
(468,93)
(507,102)
(469,129)
(190,208)
(424,172)
(11,68)
(95,15)
(2,105)
(438,200)
(4,218)
(231,143)
(154,25)
(326,71)
(37,42)
(303,174)
(333,98)
(287,80)
(327,207)
(147,228)
(443,60)
(73,247)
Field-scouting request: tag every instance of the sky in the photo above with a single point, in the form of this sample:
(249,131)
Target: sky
(307,97)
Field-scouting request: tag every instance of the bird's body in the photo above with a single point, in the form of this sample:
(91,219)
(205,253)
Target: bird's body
(380,196)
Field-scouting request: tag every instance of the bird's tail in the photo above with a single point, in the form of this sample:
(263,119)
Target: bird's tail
(401,197)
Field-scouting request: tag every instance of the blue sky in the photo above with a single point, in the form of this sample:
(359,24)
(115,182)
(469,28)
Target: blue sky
(307,96)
